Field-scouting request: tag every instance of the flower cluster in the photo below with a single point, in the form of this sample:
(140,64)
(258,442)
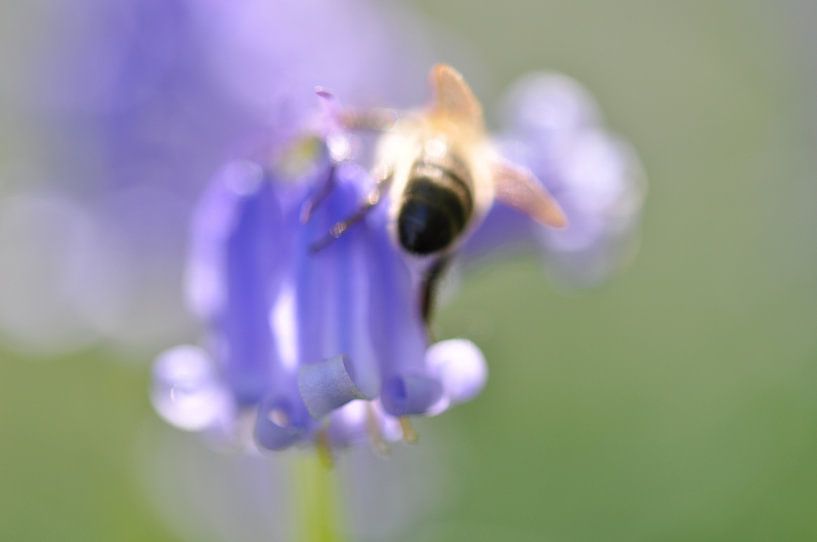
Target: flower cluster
(327,345)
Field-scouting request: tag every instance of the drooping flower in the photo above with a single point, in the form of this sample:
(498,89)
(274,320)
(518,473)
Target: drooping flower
(308,344)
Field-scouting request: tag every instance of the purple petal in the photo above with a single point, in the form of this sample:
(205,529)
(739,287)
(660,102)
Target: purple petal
(235,272)
(327,318)
(461,368)
(406,392)
(186,391)
(399,334)
(280,424)
(333,285)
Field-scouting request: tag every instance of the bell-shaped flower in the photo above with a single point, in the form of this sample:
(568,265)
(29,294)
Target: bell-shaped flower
(311,344)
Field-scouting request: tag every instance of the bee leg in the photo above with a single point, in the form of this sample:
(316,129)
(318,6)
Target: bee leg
(374,119)
(318,197)
(368,120)
(429,287)
(369,203)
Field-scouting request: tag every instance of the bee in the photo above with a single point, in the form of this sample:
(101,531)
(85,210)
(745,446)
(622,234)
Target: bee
(442,174)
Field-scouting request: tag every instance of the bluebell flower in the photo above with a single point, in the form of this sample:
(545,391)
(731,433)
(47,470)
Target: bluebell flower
(305,346)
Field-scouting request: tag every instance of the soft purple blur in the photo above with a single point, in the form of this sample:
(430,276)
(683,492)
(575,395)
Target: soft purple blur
(138,103)
(554,128)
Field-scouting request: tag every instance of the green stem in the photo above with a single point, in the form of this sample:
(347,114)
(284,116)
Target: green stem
(318,511)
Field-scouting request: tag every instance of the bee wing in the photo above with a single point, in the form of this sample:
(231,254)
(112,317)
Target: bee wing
(520,189)
(452,97)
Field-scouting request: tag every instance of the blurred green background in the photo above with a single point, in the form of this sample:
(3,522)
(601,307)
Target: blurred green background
(675,403)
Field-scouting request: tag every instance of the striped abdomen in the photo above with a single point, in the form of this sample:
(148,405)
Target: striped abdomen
(436,206)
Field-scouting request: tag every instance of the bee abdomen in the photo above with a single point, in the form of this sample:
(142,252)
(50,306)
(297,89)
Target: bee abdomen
(431,215)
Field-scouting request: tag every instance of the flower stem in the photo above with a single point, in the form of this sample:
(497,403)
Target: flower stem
(318,511)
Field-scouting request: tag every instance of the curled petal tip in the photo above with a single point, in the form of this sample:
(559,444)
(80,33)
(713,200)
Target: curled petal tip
(327,385)
(410,394)
(278,425)
(461,368)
